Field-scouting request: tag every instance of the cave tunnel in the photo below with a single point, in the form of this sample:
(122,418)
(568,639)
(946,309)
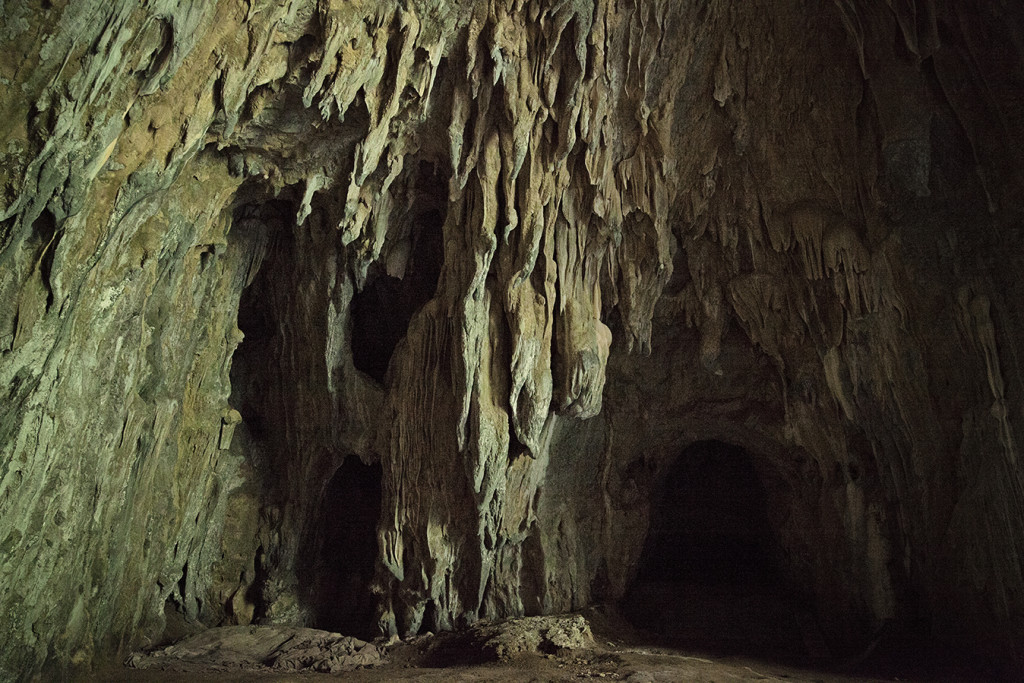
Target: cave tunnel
(283,400)
(345,550)
(383,309)
(711,571)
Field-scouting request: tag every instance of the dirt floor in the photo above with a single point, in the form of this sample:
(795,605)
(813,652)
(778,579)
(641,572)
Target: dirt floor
(523,650)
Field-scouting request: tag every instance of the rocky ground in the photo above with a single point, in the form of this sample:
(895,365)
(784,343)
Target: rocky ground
(562,648)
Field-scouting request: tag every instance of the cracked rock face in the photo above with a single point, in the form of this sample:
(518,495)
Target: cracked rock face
(399,315)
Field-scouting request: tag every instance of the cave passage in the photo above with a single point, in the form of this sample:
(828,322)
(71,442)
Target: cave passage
(258,241)
(709,573)
(346,550)
(381,312)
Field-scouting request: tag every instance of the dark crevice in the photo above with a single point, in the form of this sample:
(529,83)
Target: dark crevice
(516,448)
(430,618)
(257,232)
(261,256)
(255,592)
(557,362)
(532,588)
(44,229)
(183,581)
(345,552)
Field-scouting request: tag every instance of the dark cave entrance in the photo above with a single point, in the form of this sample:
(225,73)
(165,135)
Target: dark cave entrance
(710,574)
(345,550)
(383,309)
(318,511)
(262,247)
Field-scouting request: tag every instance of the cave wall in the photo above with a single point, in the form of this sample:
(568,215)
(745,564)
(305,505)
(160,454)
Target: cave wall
(791,226)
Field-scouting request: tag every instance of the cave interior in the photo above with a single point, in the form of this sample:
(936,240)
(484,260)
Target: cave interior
(386,319)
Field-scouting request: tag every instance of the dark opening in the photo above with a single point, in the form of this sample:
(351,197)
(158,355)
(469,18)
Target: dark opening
(346,550)
(709,573)
(381,312)
(259,242)
(260,253)
(45,227)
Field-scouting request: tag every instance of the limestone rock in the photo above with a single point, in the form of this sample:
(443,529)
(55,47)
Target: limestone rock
(507,639)
(261,648)
(507,259)
(536,634)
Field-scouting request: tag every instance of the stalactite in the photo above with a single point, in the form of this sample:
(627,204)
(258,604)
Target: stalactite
(657,223)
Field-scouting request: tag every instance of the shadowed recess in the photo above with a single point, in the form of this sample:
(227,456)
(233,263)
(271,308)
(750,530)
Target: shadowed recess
(346,550)
(709,573)
(381,312)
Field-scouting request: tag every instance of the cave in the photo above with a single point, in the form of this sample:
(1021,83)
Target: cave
(259,237)
(549,331)
(382,309)
(345,550)
(712,569)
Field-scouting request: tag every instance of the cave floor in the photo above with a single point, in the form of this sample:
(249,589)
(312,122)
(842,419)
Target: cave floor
(618,652)
(636,665)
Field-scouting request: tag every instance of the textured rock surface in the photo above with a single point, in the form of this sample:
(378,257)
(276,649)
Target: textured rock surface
(467,657)
(518,255)
(257,649)
(506,640)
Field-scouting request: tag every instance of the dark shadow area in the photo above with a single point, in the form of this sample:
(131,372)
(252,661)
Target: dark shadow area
(259,237)
(709,574)
(346,550)
(381,312)
(901,654)
(455,649)
(260,244)
(710,522)
(45,228)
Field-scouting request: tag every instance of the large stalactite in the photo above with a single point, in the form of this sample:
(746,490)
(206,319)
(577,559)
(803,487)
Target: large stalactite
(518,255)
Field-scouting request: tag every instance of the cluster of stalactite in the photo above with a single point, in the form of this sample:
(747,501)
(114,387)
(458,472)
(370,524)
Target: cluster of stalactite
(517,255)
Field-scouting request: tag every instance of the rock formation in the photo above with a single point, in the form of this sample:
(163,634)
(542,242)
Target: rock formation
(500,263)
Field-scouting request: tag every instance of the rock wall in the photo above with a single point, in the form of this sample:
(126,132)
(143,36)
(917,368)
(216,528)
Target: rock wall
(518,255)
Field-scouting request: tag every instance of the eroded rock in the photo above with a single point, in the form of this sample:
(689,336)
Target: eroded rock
(261,648)
(602,232)
(508,639)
